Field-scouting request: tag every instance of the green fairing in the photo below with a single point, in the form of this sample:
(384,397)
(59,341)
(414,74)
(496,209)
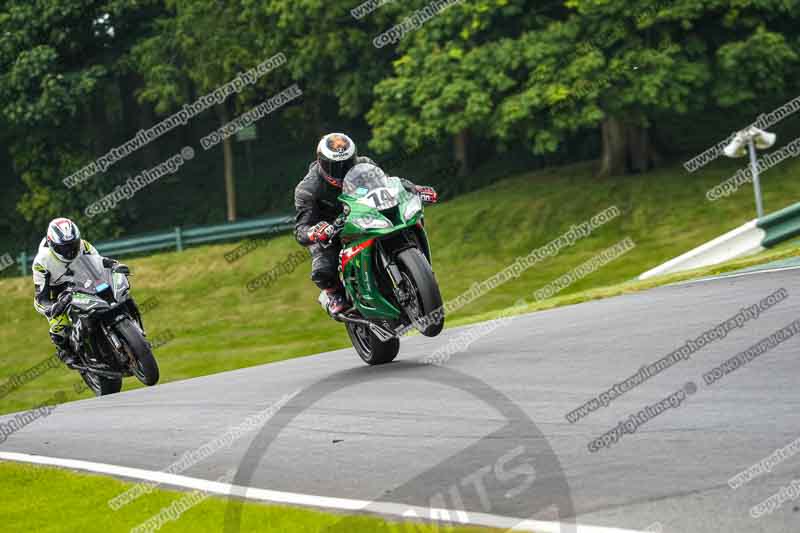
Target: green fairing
(358,276)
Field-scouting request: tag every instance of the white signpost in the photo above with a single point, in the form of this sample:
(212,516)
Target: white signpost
(747,141)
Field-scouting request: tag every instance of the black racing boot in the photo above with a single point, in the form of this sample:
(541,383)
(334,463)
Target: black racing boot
(63,351)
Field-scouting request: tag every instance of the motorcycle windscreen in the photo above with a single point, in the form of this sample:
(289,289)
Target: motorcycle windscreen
(371,187)
(89,272)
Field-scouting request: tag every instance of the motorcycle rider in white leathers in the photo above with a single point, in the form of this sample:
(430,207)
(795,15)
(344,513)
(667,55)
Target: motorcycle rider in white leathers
(52,273)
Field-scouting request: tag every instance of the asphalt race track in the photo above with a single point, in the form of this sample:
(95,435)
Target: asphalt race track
(409,431)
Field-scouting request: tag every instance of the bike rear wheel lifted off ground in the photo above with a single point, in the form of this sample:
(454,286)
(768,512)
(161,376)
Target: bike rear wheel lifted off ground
(100,385)
(369,346)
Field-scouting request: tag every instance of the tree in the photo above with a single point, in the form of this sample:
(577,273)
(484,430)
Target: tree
(454,74)
(512,74)
(330,54)
(199,47)
(60,60)
(680,58)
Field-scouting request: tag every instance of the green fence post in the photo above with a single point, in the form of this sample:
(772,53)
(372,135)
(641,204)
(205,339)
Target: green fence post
(23,263)
(178,239)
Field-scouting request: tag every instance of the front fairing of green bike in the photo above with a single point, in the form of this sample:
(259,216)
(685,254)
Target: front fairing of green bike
(376,214)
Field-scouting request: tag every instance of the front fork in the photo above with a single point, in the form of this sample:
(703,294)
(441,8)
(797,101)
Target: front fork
(395,277)
(136,314)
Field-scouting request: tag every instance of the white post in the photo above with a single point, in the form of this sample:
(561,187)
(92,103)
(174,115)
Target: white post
(756,182)
(754,139)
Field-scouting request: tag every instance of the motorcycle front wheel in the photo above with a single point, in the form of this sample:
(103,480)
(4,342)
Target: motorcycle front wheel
(417,272)
(143,363)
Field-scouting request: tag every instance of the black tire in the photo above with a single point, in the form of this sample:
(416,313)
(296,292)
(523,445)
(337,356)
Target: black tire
(369,347)
(144,365)
(418,271)
(100,385)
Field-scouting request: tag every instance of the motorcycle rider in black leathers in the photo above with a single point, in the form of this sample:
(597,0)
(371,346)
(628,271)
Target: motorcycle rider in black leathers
(317,205)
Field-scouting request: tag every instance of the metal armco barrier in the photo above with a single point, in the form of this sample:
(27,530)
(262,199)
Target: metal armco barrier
(780,226)
(179,238)
(753,237)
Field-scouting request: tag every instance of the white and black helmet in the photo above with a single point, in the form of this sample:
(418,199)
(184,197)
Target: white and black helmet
(64,239)
(336,155)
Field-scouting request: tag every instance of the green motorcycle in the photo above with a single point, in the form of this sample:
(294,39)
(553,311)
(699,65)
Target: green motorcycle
(385,265)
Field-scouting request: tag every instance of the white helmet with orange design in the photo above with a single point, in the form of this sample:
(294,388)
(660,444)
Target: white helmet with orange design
(336,155)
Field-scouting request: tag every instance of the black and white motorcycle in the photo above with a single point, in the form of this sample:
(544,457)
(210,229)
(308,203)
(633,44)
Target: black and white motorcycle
(107,334)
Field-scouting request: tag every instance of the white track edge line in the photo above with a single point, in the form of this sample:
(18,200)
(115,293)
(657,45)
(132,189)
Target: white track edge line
(306,500)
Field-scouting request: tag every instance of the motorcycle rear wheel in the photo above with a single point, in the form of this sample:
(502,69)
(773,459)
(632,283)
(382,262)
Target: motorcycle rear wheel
(100,385)
(369,347)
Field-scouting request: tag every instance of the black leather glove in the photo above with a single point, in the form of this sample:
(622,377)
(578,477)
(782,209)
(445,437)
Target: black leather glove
(60,305)
(116,266)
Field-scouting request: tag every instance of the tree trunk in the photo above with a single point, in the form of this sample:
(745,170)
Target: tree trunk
(461,152)
(132,118)
(613,160)
(126,85)
(227,151)
(147,119)
(317,120)
(639,148)
(627,148)
(102,137)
